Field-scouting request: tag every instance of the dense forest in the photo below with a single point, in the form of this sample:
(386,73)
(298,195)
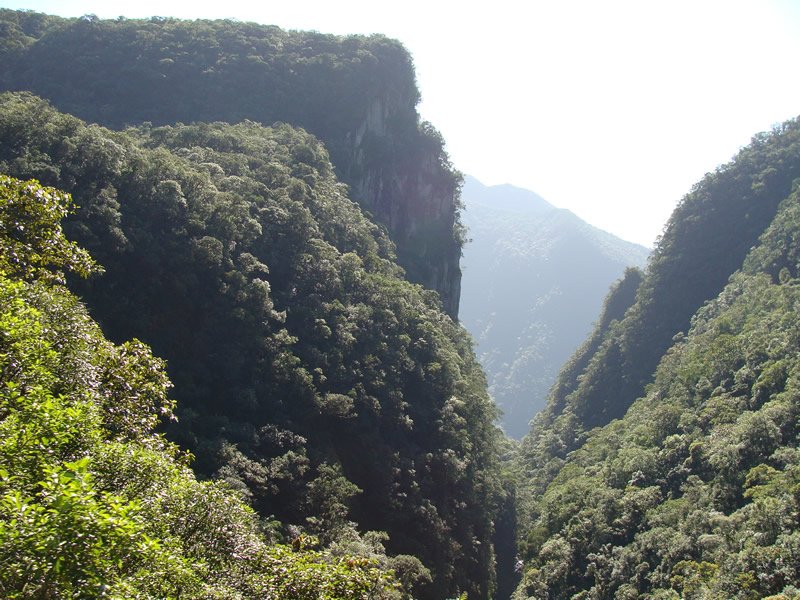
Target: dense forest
(93,502)
(230,367)
(684,483)
(292,340)
(356,94)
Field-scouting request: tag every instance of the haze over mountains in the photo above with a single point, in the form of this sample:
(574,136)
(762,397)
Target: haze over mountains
(534,279)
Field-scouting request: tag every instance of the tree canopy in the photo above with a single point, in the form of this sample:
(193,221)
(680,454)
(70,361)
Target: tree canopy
(357,94)
(93,502)
(309,374)
(704,242)
(693,491)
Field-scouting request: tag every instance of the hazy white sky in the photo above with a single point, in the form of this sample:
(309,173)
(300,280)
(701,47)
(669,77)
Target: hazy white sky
(612,109)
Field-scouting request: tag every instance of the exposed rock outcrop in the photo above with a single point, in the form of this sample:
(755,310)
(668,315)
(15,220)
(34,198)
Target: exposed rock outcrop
(404,180)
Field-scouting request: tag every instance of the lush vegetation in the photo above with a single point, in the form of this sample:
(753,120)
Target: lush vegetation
(356,94)
(310,376)
(93,502)
(704,242)
(695,492)
(330,434)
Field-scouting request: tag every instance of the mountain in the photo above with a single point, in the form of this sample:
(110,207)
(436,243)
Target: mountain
(704,243)
(330,434)
(357,94)
(333,395)
(534,278)
(682,479)
(264,204)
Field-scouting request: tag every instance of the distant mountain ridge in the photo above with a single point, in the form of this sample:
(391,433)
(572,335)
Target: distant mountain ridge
(505,197)
(533,284)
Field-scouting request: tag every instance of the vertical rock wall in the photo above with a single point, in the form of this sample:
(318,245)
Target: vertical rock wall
(402,177)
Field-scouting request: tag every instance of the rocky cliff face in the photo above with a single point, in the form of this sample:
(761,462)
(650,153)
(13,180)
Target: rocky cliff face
(357,94)
(414,193)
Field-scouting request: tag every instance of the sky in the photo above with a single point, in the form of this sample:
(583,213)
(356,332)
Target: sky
(612,109)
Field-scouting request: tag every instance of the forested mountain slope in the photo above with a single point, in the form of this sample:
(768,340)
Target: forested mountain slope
(309,374)
(534,280)
(704,242)
(93,503)
(357,94)
(695,490)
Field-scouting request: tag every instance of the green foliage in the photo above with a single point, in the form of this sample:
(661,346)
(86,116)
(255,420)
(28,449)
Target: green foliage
(357,94)
(93,503)
(705,241)
(32,243)
(68,540)
(694,492)
(292,339)
(314,575)
(234,251)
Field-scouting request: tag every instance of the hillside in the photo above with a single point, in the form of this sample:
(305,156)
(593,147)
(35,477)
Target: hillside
(693,490)
(534,278)
(704,242)
(93,502)
(357,94)
(310,376)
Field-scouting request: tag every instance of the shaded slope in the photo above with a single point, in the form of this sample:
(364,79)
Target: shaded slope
(534,279)
(93,502)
